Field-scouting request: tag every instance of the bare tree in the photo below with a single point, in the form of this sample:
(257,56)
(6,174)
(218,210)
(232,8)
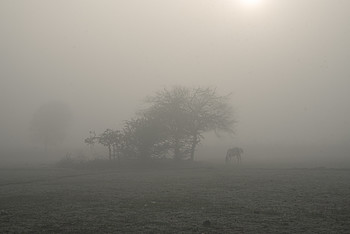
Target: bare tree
(209,112)
(169,107)
(188,113)
(112,140)
(91,140)
(174,122)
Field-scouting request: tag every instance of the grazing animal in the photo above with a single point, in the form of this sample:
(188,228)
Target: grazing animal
(234,153)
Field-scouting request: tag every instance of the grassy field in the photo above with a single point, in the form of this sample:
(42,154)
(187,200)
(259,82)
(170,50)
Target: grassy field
(174,200)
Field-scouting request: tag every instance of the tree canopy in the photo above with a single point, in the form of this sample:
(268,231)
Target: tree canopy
(187,113)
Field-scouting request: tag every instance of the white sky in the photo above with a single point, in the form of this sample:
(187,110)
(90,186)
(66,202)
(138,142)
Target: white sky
(286,61)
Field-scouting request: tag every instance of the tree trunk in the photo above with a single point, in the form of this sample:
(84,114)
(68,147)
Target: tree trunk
(193,146)
(109,152)
(114,152)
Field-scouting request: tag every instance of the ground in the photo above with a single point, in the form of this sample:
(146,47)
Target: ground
(192,199)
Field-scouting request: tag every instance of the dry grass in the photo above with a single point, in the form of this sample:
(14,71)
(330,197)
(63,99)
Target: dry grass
(174,200)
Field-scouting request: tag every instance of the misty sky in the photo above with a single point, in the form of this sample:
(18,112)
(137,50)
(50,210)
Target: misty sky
(287,63)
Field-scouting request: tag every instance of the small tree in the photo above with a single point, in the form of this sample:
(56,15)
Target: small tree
(91,140)
(113,140)
(118,144)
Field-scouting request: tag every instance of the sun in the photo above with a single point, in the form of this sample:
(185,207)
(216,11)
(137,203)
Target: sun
(250,2)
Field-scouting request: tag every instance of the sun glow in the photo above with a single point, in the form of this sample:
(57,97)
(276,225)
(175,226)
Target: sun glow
(250,2)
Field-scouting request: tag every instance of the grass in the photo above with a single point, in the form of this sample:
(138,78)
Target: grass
(174,200)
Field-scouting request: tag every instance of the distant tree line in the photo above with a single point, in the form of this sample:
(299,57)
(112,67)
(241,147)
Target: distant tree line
(171,126)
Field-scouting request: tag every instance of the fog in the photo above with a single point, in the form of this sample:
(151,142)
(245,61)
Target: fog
(286,64)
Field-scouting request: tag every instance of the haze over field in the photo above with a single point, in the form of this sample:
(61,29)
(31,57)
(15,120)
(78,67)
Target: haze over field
(286,63)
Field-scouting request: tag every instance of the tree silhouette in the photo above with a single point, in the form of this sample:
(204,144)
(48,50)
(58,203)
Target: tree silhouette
(187,113)
(112,139)
(174,122)
(168,107)
(144,138)
(209,112)
(91,140)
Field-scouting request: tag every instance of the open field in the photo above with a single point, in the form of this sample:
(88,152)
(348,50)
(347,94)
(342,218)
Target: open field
(175,200)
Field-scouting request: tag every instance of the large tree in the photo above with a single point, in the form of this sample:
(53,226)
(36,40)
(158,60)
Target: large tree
(169,108)
(209,112)
(188,113)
